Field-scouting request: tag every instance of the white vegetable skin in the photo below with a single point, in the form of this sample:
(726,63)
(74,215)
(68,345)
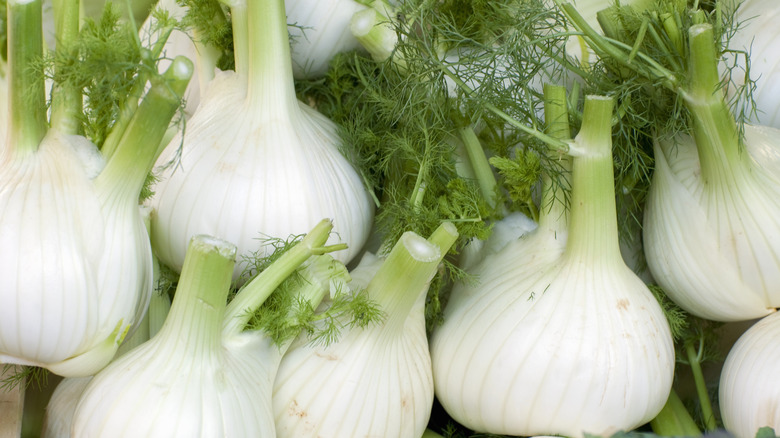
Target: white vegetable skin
(749,392)
(319,31)
(715,248)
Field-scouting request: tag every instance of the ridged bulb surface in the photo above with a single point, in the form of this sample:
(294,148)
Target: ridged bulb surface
(374,381)
(244,180)
(544,345)
(749,391)
(158,390)
(79,252)
(715,249)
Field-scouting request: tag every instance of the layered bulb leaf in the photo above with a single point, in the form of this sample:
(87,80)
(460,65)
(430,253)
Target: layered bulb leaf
(557,335)
(374,380)
(712,218)
(255,162)
(749,389)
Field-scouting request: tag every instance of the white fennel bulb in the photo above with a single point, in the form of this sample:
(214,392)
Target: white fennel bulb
(558,335)
(712,219)
(76,258)
(255,161)
(374,380)
(749,392)
(320,30)
(203,374)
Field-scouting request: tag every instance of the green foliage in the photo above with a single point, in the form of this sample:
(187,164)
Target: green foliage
(209,22)
(22,376)
(287,312)
(521,174)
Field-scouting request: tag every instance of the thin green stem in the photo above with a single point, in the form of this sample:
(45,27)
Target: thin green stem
(593,230)
(254,293)
(66,99)
(551,142)
(553,211)
(701,387)
(483,173)
(27,122)
(137,149)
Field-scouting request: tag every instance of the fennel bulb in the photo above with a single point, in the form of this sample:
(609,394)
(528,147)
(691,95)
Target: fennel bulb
(255,161)
(202,374)
(76,258)
(320,31)
(711,225)
(749,393)
(558,335)
(374,380)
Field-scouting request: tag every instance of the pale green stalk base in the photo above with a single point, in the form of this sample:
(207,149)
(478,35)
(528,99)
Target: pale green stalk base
(27,122)
(593,231)
(138,147)
(196,314)
(483,173)
(408,270)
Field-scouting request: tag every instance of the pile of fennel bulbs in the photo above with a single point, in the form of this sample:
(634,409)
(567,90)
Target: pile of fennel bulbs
(77,262)
(558,335)
(254,161)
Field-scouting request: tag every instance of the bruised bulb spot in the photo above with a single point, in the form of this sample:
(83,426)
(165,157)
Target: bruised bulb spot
(295,411)
(622,304)
(326,356)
